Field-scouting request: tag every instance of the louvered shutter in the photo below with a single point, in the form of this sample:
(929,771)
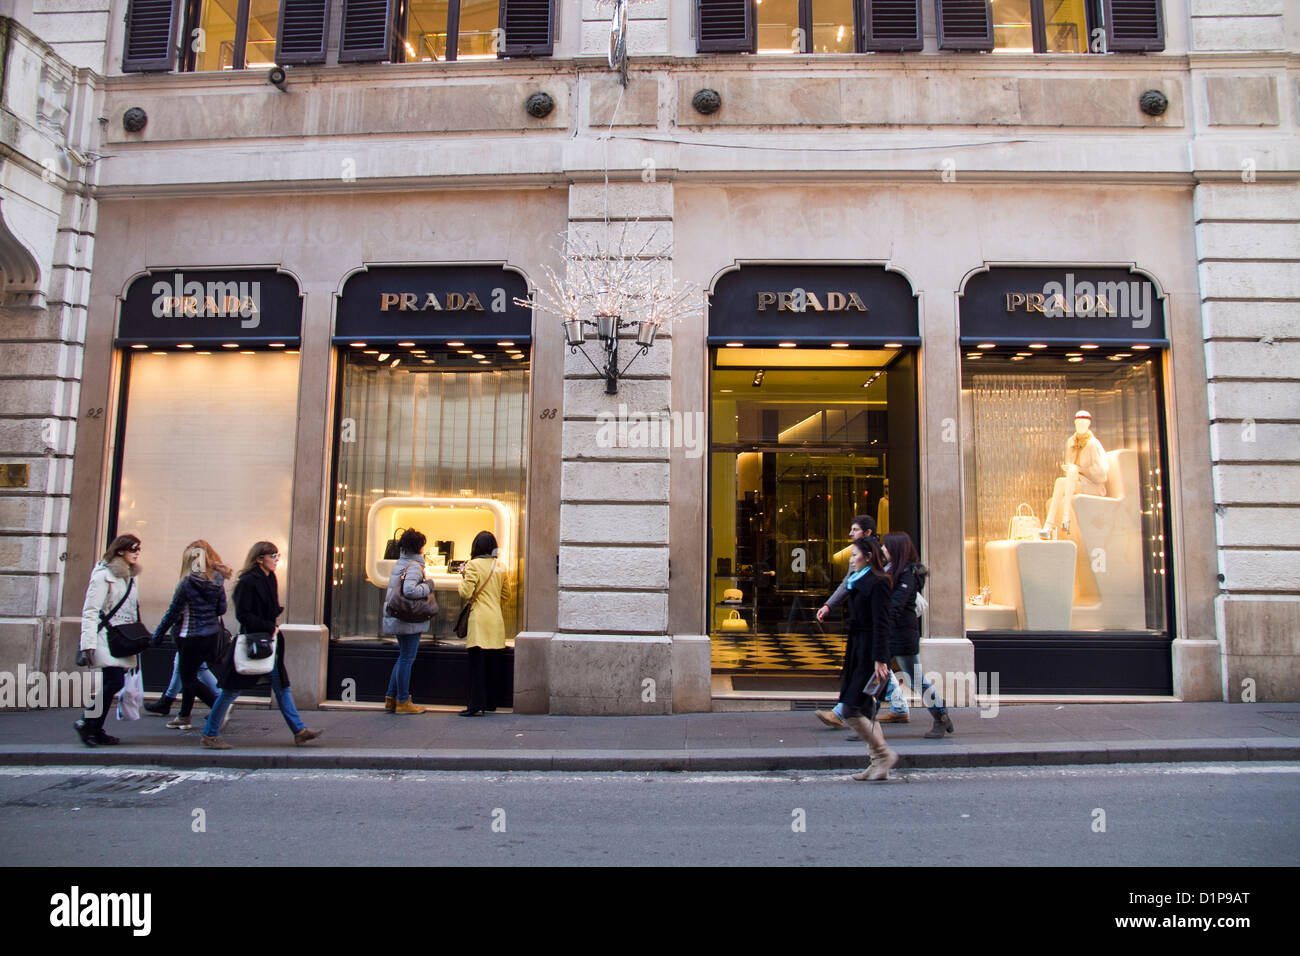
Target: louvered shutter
(1134,25)
(964,24)
(891,25)
(368,29)
(725,26)
(150,36)
(304,26)
(528,27)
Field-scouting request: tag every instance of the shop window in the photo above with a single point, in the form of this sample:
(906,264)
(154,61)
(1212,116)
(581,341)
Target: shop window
(1050,26)
(230,34)
(207,452)
(449,30)
(1065,515)
(430,437)
(807,26)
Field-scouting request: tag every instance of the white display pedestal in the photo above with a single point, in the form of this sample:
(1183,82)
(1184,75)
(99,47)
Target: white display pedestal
(1034,577)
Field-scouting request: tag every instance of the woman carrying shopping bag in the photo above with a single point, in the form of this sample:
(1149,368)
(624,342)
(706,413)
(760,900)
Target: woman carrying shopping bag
(257,605)
(111,599)
(484,589)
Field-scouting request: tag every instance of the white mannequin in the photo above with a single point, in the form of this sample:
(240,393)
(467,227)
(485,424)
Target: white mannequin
(1086,469)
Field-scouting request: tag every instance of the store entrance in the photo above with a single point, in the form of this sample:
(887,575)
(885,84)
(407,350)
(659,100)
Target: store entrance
(803,441)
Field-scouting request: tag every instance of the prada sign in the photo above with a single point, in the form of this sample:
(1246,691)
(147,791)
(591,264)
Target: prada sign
(814,304)
(455,302)
(1071,306)
(801,300)
(211,306)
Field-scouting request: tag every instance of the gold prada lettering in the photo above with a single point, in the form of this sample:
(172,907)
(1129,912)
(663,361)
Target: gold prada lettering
(811,302)
(412,302)
(835,301)
(856,303)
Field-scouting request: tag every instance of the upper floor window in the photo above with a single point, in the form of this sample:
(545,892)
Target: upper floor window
(847,26)
(162,35)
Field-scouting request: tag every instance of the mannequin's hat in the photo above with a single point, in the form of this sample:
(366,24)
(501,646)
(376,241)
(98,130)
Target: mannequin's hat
(1083,414)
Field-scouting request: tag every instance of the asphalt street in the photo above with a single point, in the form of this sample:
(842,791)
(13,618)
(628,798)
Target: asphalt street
(1235,814)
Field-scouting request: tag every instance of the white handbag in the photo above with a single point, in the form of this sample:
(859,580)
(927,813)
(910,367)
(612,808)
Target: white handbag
(1023,527)
(253,667)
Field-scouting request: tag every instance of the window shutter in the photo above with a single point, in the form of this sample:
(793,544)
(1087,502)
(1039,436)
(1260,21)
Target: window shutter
(368,30)
(891,25)
(725,26)
(964,24)
(528,27)
(150,36)
(1134,25)
(304,26)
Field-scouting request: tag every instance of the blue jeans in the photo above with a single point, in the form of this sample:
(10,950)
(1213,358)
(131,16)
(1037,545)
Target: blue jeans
(910,665)
(174,686)
(399,681)
(897,702)
(283,696)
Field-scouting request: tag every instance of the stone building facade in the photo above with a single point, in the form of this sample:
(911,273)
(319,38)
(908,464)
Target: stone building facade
(936,165)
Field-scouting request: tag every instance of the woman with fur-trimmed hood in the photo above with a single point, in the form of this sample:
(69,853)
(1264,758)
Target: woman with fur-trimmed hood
(111,598)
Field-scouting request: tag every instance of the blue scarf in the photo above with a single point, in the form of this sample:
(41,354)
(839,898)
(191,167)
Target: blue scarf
(848,582)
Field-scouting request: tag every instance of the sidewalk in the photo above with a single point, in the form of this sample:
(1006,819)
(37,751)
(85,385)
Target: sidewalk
(1022,735)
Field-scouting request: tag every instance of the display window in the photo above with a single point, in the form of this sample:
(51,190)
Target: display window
(431,436)
(1063,453)
(207,423)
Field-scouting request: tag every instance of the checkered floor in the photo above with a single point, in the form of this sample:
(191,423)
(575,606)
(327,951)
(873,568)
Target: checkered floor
(778,652)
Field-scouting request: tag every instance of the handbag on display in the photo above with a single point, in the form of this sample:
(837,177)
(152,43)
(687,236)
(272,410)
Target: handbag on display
(410,610)
(732,594)
(246,645)
(131,697)
(462,620)
(391,550)
(125,640)
(733,622)
(1023,527)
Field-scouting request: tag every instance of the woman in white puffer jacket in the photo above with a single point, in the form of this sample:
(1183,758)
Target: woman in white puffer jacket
(110,583)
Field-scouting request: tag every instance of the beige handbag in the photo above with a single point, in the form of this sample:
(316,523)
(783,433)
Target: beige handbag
(1023,527)
(732,594)
(734,622)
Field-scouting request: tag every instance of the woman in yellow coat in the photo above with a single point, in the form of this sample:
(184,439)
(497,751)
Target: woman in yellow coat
(485,584)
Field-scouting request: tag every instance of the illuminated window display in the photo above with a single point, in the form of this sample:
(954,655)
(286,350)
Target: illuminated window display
(433,439)
(1064,478)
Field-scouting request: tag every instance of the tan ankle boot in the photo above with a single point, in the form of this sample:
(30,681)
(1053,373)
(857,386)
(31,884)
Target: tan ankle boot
(389,704)
(408,707)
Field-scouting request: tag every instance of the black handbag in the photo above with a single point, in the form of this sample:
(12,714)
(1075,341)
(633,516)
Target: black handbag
(410,611)
(462,620)
(125,640)
(391,550)
(260,646)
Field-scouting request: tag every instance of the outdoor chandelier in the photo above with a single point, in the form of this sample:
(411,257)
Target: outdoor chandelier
(612,287)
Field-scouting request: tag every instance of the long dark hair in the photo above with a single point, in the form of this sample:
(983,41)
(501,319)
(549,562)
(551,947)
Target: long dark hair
(257,551)
(123,542)
(902,552)
(484,546)
(869,545)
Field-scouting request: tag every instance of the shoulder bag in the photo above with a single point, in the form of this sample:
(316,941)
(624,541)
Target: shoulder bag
(125,640)
(462,622)
(254,654)
(410,611)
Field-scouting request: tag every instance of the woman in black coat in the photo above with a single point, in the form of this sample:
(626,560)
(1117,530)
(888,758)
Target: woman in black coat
(905,626)
(257,605)
(867,654)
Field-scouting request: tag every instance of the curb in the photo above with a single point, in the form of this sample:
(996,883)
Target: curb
(959,756)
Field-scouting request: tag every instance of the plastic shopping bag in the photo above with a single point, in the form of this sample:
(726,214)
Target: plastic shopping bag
(131,698)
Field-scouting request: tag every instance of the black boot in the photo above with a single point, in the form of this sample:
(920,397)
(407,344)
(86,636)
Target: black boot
(162,706)
(942,722)
(86,732)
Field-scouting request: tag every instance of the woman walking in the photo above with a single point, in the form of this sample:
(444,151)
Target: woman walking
(111,598)
(908,575)
(408,575)
(197,605)
(867,654)
(484,587)
(257,605)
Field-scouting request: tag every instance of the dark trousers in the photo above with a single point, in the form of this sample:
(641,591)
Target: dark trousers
(483,667)
(114,678)
(194,650)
